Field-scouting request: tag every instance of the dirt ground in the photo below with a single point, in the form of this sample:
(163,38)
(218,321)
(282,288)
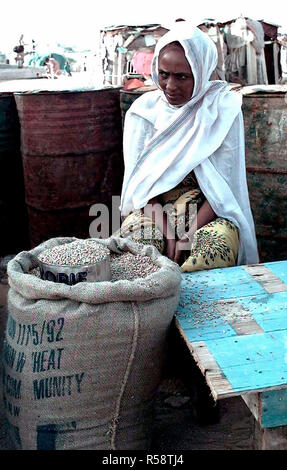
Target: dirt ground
(186,418)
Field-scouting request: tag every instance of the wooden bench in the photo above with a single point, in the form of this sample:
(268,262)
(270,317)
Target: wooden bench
(234,323)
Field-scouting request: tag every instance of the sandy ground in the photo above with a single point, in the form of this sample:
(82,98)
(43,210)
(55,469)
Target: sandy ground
(185,417)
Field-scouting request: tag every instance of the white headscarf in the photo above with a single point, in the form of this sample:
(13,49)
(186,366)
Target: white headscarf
(163,143)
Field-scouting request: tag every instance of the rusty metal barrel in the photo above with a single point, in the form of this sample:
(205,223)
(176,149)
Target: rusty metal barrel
(13,214)
(265,121)
(71,145)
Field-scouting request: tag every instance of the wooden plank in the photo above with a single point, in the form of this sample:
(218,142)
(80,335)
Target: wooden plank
(252,363)
(279,268)
(235,324)
(266,278)
(219,284)
(238,317)
(203,320)
(219,383)
(247,362)
(268,310)
(273,408)
(208,301)
(268,408)
(208,366)
(253,402)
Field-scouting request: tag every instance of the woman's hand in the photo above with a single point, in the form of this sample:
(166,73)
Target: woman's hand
(182,250)
(183,246)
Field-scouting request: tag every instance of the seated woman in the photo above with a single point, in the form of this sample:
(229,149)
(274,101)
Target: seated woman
(184,150)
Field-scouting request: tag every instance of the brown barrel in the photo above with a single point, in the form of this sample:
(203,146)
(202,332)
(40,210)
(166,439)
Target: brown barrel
(13,214)
(71,146)
(265,120)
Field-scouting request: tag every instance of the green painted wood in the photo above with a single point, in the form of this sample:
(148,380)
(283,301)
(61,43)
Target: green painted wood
(265,119)
(127,97)
(237,327)
(274,408)
(126,100)
(252,362)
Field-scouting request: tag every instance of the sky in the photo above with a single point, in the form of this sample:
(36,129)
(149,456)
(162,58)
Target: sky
(78,22)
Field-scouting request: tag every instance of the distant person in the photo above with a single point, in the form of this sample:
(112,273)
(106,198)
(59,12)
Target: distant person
(67,69)
(85,65)
(52,67)
(47,66)
(19,49)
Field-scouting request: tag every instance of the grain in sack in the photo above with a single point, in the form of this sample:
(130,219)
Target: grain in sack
(81,363)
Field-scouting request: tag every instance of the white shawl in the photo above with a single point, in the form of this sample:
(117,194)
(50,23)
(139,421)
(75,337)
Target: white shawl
(163,143)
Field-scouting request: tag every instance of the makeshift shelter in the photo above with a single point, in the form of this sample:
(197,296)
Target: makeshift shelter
(249,51)
(217,36)
(283,58)
(39,60)
(127,51)
(272,51)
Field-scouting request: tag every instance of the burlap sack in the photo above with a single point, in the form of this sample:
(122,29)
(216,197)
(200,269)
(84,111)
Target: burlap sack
(82,363)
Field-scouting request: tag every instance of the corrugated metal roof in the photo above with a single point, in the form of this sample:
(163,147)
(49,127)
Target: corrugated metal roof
(135,27)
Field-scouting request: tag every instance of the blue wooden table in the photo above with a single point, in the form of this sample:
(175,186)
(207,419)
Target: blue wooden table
(234,321)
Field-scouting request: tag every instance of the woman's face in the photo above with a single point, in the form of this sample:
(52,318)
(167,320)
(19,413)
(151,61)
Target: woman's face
(175,76)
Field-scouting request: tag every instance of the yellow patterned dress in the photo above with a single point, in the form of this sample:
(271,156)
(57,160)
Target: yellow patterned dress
(215,245)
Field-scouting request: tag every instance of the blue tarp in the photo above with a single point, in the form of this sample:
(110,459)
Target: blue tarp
(38,60)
